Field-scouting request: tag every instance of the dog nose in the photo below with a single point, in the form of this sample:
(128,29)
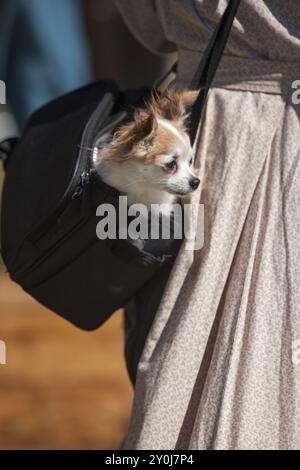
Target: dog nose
(194,183)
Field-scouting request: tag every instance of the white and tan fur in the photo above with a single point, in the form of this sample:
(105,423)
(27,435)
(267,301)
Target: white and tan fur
(150,158)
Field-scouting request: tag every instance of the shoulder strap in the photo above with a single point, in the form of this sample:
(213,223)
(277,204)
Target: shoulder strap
(206,70)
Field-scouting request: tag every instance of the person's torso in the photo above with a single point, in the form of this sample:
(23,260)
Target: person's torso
(263,29)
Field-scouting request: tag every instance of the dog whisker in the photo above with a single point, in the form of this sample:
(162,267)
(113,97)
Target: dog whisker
(83,147)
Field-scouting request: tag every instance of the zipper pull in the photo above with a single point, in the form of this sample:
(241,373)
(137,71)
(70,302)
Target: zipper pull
(84,180)
(77,194)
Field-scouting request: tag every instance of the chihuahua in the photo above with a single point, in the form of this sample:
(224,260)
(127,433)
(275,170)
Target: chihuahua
(150,158)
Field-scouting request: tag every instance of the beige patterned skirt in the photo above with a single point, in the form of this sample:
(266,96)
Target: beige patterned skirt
(221,365)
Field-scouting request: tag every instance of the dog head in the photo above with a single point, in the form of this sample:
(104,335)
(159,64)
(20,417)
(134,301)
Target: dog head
(156,145)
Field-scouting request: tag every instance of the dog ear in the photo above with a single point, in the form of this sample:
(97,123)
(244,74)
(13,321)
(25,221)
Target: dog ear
(135,137)
(174,104)
(145,126)
(144,129)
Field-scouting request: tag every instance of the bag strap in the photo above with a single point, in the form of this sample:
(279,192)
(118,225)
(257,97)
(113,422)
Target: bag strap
(207,68)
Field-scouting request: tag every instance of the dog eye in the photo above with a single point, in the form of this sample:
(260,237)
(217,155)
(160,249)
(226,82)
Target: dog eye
(191,161)
(172,165)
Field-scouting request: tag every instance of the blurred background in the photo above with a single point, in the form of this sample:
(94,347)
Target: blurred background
(61,388)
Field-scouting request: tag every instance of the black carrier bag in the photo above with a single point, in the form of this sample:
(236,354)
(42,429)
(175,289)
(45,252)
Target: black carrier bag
(50,197)
(51,193)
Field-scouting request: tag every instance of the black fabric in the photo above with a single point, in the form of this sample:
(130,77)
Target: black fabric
(43,162)
(50,196)
(139,315)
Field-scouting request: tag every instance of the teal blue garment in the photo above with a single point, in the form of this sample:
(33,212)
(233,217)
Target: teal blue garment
(43,51)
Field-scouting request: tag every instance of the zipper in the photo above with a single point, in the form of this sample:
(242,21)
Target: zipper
(84,180)
(74,192)
(82,172)
(81,177)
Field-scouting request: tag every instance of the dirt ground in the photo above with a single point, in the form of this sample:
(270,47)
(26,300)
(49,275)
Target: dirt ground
(61,388)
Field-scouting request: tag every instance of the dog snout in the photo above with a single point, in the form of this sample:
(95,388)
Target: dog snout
(194,183)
